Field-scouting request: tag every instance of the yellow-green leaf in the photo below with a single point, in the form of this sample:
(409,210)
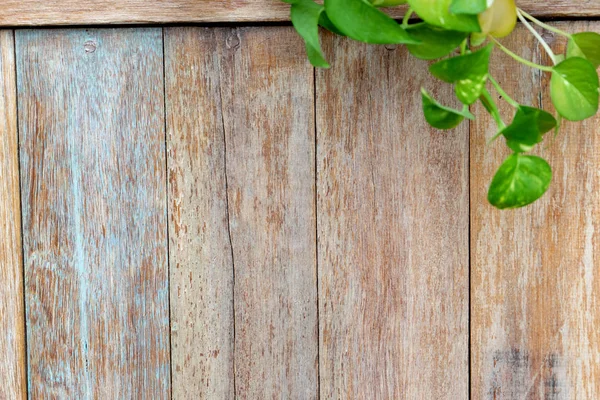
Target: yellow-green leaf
(520,181)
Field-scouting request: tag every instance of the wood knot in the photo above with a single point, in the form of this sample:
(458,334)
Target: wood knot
(232,41)
(548,37)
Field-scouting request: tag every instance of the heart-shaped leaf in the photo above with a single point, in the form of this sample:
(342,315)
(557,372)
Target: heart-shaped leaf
(468,6)
(499,19)
(437,12)
(305,16)
(442,117)
(574,89)
(520,181)
(585,45)
(468,72)
(361,21)
(435,42)
(528,128)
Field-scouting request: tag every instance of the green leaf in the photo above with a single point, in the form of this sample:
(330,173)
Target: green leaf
(305,18)
(469,73)
(326,23)
(387,3)
(528,128)
(520,181)
(437,12)
(442,117)
(585,45)
(435,42)
(359,20)
(468,6)
(574,89)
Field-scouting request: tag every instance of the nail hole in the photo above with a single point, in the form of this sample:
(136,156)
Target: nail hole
(90,46)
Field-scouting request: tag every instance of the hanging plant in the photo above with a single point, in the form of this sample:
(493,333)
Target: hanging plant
(463,34)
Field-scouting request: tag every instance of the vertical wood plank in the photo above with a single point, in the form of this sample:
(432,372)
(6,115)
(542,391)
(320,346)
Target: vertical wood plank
(200,252)
(241,186)
(535,282)
(392,231)
(12,318)
(268,113)
(91,108)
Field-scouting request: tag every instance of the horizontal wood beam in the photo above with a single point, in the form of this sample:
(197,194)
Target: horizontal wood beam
(78,12)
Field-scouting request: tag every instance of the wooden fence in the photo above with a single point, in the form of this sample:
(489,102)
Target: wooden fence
(195,212)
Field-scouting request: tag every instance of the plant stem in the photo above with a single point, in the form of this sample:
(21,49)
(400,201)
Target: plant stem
(559,120)
(543,25)
(463,47)
(502,93)
(407,16)
(490,106)
(537,36)
(521,59)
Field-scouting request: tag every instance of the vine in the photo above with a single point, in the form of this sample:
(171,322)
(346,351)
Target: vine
(461,35)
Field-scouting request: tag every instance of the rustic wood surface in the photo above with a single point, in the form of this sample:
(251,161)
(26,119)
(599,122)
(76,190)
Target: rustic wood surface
(393,222)
(317,229)
(267,94)
(79,12)
(91,114)
(12,317)
(200,252)
(535,282)
(241,173)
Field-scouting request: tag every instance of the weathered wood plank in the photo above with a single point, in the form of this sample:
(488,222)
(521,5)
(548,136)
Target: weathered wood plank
(535,281)
(91,112)
(79,12)
(268,113)
(199,253)
(392,231)
(12,317)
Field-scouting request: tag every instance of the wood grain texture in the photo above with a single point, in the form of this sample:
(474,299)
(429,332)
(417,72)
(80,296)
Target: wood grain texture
(535,281)
(268,112)
(91,112)
(392,231)
(12,310)
(199,252)
(79,12)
